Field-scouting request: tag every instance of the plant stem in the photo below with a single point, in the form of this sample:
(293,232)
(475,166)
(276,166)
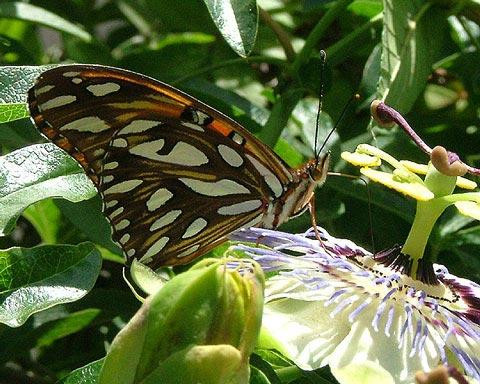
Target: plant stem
(349,42)
(282,35)
(317,33)
(279,116)
(427,214)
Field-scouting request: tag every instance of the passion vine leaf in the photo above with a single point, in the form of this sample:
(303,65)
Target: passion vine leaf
(34,279)
(34,173)
(29,12)
(237,21)
(409,50)
(87,374)
(14,84)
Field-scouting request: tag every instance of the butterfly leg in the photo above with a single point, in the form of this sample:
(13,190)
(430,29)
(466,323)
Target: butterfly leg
(311,208)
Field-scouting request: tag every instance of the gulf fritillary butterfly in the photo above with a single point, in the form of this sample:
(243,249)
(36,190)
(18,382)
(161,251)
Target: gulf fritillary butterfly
(175,175)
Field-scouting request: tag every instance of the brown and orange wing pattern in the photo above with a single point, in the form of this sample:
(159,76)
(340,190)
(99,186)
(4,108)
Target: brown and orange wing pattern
(175,175)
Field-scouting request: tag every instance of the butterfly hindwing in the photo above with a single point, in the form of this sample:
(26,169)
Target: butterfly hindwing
(175,175)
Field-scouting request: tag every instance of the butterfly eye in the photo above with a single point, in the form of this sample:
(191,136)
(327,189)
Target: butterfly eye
(320,169)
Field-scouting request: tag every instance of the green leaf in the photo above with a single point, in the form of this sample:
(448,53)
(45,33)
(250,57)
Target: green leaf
(237,21)
(68,325)
(371,72)
(35,279)
(366,8)
(15,83)
(46,219)
(34,173)
(12,112)
(31,13)
(85,375)
(280,114)
(258,377)
(409,50)
(87,216)
(288,153)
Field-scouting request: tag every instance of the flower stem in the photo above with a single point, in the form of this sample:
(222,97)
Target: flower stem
(427,214)
(425,217)
(282,35)
(317,33)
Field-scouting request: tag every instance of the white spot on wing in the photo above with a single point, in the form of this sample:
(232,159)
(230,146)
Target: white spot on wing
(158,198)
(182,153)
(76,80)
(86,124)
(193,126)
(201,117)
(155,248)
(230,155)
(120,143)
(237,138)
(57,102)
(107,179)
(148,149)
(138,126)
(44,89)
(98,152)
(103,89)
(124,238)
(111,165)
(272,181)
(195,227)
(189,251)
(123,187)
(131,252)
(165,220)
(238,208)
(71,74)
(117,212)
(111,203)
(217,188)
(122,224)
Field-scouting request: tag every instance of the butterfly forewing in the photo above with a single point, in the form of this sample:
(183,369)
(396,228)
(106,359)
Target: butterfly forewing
(175,175)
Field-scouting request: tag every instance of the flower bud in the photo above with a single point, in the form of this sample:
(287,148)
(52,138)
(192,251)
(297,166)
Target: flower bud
(200,327)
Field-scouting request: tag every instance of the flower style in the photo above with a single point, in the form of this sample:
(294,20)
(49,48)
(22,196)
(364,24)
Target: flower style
(374,317)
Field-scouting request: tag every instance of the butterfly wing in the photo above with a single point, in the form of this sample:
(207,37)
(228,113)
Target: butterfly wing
(176,176)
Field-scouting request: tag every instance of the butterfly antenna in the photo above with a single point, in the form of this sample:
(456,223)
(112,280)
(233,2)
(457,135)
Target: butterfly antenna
(355,96)
(323,60)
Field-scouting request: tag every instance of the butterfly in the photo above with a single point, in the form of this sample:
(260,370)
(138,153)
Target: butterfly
(176,177)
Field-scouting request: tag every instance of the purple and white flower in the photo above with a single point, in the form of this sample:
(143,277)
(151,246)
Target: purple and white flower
(361,314)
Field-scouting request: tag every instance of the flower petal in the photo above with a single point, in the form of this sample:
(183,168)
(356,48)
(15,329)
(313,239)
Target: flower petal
(469,208)
(361,159)
(415,189)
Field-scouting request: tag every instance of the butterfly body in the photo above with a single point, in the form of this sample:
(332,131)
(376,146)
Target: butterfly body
(175,176)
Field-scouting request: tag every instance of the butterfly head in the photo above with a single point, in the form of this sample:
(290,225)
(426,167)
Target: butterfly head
(317,168)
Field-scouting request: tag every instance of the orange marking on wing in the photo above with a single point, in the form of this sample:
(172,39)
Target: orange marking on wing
(169,110)
(220,127)
(49,132)
(64,144)
(80,157)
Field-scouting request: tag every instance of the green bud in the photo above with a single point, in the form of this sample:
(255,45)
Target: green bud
(202,325)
